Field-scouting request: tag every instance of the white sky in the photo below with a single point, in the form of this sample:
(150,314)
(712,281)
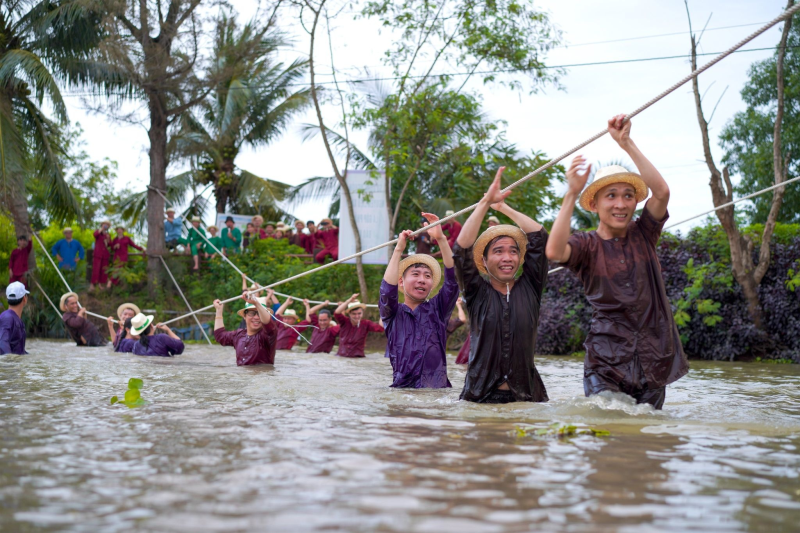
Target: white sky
(551,121)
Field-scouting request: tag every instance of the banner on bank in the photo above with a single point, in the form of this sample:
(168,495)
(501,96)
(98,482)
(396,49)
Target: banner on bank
(368,191)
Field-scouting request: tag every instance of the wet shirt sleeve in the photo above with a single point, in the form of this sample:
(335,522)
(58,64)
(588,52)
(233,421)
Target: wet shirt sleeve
(373,326)
(650,227)
(175,346)
(579,245)
(448,295)
(388,301)
(225,338)
(535,266)
(5,335)
(467,275)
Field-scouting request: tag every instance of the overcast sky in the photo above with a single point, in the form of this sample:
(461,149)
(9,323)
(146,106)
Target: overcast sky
(551,121)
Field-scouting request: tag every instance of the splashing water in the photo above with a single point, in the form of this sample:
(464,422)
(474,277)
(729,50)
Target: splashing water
(320,442)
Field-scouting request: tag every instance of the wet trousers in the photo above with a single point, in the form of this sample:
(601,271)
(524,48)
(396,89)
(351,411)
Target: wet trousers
(633,384)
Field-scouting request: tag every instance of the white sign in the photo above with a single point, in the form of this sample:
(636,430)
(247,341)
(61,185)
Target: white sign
(368,190)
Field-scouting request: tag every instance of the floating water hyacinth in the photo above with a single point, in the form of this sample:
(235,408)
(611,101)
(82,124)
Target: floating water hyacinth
(132,396)
(560,431)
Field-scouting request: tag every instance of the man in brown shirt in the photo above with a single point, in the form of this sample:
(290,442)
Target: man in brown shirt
(633,346)
(83,332)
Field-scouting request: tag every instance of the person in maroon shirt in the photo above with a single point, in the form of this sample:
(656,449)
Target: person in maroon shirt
(288,327)
(312,239)
(329,236)
(456,322)
(633,346)
(324,336)
(120,245)
(255,344)
(452,228)
(101,257)
(353,327)
(18,262)
(259,233)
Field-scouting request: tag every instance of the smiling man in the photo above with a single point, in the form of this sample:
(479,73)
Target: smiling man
(633,345)
(503,308)
(255,343)
(417,329)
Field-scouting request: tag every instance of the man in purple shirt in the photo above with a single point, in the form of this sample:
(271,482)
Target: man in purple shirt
(12,329)
(416,329)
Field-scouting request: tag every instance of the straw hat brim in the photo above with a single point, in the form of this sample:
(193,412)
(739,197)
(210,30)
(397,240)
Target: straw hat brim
(501,230)
(140,329)
(426,260)
(630,178)
(64,300)
(359,305)
(247,307)
(127,305)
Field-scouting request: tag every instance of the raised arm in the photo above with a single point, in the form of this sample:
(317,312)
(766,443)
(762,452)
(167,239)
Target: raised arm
(620,131)
(392,274)
(284,305)
(166,329)
(526,223)
(557,248)
(111,332)
(437,233)
(314,310)
(462,316)
(219,322)
(263,312)
(471,228)
(343,305)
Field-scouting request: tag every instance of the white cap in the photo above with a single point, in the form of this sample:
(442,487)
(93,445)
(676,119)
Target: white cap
(15,291)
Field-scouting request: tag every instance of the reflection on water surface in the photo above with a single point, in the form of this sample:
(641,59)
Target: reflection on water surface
(320,442)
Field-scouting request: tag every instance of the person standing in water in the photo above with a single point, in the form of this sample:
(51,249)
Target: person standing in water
(503,309)
(288,327)
(125,339)
(151,343)
(324,336)
(12,329)
(124,312)
(416,330)
(83,332)
(633,346)
(353,327)
(255,345)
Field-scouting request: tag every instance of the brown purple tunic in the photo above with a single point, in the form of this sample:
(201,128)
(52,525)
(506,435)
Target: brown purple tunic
(80,329)
(631,314)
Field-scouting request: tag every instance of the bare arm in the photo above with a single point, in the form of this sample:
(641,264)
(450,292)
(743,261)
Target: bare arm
(462,316)
(437,233)
(166,329)
(111,332)
(557,248)
(620,131)
(470,229)
(526,223)
(392,274)
(283,306)
(219,323)
(263,312)
(343,305)
(314,310)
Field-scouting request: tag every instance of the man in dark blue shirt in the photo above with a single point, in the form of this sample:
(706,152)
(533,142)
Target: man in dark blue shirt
(12,329)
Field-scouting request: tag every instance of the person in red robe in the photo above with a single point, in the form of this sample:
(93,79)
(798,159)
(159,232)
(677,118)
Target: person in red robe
(328,234)
(452,228)
(353,327)
(119,245)
(288,327)
(18,262)
(101,257)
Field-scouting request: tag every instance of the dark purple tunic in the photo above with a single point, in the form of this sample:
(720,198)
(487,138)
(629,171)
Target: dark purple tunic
(12,333)
(416,339)
(160,344)
(124,345)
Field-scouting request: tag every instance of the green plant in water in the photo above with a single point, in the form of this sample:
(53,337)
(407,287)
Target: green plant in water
(133,396)
(560,431)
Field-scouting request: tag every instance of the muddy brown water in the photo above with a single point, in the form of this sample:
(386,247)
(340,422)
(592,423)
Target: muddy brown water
(322,443)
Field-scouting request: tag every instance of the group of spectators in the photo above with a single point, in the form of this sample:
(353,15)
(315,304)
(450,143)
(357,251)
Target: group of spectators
(320,241)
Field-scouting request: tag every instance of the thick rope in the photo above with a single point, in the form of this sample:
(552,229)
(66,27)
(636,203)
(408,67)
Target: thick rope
(47,254)
(194,315)
(786,14)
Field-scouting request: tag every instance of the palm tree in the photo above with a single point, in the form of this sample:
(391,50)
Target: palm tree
(40,42)
(252,106)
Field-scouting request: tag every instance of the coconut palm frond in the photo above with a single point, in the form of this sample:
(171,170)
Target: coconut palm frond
(313,190)
(14,63)
(359,160)
(133,209)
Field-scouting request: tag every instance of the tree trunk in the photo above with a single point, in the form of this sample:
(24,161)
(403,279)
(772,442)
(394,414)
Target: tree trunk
(155,203)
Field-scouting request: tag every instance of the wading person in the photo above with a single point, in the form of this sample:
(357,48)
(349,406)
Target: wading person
(324,336)
(124,312)
(255,345)
(101,257)
(120,245)
(353,327)
(150,342)
(288,327)
(66,250)
(18,261)
(633,346)
(125,339)
(416,330)
(12,329)
(83,332)
(503,309)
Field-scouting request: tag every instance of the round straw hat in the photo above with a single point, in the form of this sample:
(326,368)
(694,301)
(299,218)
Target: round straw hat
(289,312)
(262,300)
(139,323)
(127,305)
(613,174)
(64,298)
(425,259)
(354,305)
(492,233)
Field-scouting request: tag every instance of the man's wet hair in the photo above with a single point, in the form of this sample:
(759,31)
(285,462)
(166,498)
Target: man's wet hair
(16,301)
(325,312)
(417,265)
(22,238)
(494,241)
